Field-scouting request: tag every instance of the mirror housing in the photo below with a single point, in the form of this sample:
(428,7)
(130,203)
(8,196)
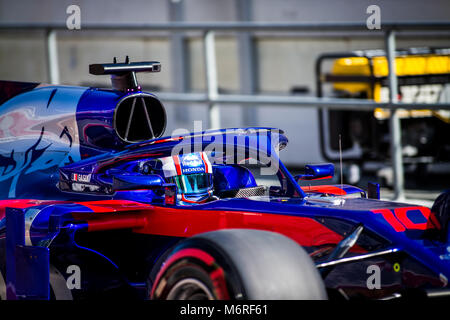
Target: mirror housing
(124,182)
(317,172)
(170,194)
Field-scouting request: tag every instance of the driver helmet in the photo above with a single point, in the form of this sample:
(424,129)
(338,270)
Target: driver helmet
(192,174)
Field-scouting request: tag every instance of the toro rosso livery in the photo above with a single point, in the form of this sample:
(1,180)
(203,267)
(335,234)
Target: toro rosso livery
(96,204)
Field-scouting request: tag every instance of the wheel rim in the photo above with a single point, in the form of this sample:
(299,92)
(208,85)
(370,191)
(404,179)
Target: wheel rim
(190,289)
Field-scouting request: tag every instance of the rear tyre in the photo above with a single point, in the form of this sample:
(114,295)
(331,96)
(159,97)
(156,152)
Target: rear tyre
(238,264)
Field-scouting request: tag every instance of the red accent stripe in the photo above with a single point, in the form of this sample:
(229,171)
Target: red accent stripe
(113,206)
(323,178)
(391,219)
(402,215)
(175,222)
(183,198)
(400,221)
(176,161)
(122,222)
(325,189)
(204,161)
(165,140)
(162,140)
(187,222)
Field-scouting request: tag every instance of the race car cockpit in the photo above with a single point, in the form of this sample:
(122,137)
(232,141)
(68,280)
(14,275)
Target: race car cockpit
(199,181)
(193,173)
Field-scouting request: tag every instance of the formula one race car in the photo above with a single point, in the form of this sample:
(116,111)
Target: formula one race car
(96,205)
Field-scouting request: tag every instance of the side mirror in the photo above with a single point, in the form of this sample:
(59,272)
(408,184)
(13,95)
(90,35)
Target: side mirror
(373,191)
(134,182)
(317,172)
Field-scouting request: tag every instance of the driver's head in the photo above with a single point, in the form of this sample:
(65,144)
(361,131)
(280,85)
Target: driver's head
(192,173)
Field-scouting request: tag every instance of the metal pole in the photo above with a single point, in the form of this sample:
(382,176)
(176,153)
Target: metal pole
(394,120)
(247,62)
(241,26)
(211,79)
(52,57)
(295,101)
(179,58)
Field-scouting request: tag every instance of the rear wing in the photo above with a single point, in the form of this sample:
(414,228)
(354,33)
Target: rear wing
(123,75)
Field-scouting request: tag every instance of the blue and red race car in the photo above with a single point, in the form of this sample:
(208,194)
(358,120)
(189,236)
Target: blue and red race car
(98,205)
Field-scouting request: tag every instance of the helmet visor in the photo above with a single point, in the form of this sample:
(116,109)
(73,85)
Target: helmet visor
(193,183)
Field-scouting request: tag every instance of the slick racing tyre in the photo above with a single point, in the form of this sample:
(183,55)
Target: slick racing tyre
(238,264)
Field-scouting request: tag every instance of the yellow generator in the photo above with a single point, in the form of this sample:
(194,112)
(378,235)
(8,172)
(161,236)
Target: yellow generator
(423,77)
